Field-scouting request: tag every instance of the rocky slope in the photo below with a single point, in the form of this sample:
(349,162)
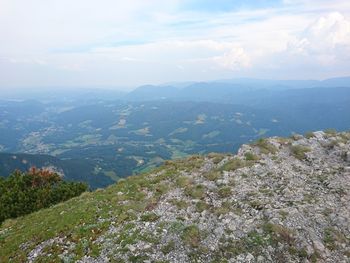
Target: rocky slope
(277,200)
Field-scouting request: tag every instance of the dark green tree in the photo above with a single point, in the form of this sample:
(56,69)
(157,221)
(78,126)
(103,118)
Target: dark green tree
(23,193)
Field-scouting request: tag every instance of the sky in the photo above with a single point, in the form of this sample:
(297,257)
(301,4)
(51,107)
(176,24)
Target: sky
(118,43)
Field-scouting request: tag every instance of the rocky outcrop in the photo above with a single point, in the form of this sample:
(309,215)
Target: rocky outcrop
(277,200)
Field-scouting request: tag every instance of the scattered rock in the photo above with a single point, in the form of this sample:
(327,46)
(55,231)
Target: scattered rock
(262,205)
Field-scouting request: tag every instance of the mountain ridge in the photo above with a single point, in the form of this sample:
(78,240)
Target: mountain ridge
(277,200)
(90,93)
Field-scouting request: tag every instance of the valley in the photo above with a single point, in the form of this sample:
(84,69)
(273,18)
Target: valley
(100,140)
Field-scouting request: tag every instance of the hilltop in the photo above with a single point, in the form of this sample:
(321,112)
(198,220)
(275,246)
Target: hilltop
(277,200)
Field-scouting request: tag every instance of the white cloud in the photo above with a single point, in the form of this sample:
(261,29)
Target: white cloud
(234,59)
(133,42)
(329,31)
(327,40)
(27,61)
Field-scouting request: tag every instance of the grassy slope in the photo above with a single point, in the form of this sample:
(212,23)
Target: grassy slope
(82,218)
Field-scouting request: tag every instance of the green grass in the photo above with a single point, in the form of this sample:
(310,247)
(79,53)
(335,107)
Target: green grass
(224,191)
(232,165)
(71,217)
(191,163)
(225,208)
(251,157)
(333,238)
(191,236)
(201,206)
(264,146)
(212,175)
(149,217)
(236,163)
(127,201)
(216,157)
(176,226)
(195,191)
(309,135)
(299,151)
(180,204)
(257,240)
(167,248)
(183,181)
(76,219)
(330,132)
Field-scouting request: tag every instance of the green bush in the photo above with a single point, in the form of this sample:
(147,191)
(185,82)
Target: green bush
(251,157)
(233,165)
(264,146)
(299,151)
(212,175)
(195,191)
(309,135)
(331,132)
(149,217)
(23,193)
(224,191)
(191,236)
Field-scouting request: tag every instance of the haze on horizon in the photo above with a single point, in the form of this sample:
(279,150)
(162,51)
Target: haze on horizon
(129,43)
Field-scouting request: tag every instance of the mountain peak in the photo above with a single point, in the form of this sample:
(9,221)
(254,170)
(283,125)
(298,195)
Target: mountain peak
(277,200)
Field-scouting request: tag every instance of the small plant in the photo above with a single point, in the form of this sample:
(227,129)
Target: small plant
(194,162)
(149,217)
(345,137)
(296,137)
(170,246)
(331,132)
(191,236)
(244,175)
(224,191)
(176,226)
(180,204)
(264,146)
(201,206)
(301,253)
(183,181)
(299,151)
(257,205)
(309,135)
(160,189)
(232,165)
(327,211)
(197,191)
(279,233)
(251,157)
(314,257)
(216,157)
(332,238)
(225,208)
(212,175)
(283,214)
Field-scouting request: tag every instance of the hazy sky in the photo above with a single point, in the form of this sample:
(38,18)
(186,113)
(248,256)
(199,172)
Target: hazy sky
(133,42)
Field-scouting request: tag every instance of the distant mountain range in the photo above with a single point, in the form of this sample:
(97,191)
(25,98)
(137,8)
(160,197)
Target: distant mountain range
(173,90)
(109,135)
(230,91)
